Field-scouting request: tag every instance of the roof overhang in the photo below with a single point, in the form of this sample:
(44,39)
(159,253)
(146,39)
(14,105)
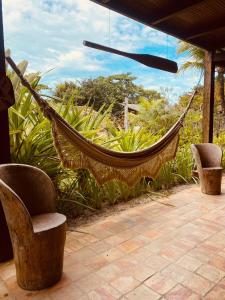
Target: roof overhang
(200,22)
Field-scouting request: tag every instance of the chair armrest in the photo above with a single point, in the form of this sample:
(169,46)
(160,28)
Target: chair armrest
(196,158)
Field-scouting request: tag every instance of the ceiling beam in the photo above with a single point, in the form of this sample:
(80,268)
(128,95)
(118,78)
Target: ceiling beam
(172,10)
(210,44)
(206,29)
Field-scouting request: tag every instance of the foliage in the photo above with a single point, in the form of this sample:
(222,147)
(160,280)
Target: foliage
(104,91)
(30,136)
(31,140)
(195,56)
(156,116)
(67,90)
(31,143)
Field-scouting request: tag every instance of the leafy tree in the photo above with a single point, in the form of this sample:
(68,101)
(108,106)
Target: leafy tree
(105,91)
(156,115)
(193,124)
(108,90)
(67,90)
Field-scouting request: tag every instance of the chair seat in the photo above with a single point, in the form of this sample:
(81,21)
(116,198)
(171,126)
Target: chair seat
(47,221)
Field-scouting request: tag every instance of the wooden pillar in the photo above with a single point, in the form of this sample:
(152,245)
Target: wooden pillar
(126,122)
(208,101)
(5,243)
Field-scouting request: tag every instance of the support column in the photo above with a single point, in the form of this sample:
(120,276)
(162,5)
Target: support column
(5,243)
(126,122)
(208,100)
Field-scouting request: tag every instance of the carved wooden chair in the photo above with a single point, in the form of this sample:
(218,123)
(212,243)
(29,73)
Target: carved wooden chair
(208,159)
(37,232)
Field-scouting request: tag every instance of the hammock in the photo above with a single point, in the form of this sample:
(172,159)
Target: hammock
(77,152)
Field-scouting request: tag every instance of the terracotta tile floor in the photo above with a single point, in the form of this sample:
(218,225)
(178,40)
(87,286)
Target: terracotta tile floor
(152,251)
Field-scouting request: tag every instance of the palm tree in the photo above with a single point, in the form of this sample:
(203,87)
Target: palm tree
(195,57)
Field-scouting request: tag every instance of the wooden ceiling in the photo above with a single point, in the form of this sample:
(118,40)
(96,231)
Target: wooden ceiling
(200,22)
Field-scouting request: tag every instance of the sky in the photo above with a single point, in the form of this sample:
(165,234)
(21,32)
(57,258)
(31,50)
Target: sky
(49,34)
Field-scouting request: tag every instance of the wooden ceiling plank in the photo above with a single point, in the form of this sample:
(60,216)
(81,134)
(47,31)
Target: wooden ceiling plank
(219,58)
(206,29)
(173,10)
(210,44)
(146,18)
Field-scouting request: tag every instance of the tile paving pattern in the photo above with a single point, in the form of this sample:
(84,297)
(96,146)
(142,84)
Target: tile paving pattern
(151,251)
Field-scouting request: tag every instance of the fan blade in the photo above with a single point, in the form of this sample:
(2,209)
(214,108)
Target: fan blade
(145,59)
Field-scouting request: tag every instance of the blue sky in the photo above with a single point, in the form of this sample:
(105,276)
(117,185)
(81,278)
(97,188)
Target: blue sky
(49,34)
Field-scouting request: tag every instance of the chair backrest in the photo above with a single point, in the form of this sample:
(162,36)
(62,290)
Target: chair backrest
(32,185)
(17,216)
(207,154)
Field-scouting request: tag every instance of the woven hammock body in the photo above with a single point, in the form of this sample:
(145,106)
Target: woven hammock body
(77,152)
(106,168)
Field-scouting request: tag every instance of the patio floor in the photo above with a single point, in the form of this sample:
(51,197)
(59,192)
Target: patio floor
(151,251)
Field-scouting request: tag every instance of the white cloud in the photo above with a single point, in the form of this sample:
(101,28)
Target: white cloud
(46,30)
(77,57)
(13,13)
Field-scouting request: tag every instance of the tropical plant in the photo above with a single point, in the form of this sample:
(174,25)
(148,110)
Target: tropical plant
(195,56)
(157,116)
(195,61)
